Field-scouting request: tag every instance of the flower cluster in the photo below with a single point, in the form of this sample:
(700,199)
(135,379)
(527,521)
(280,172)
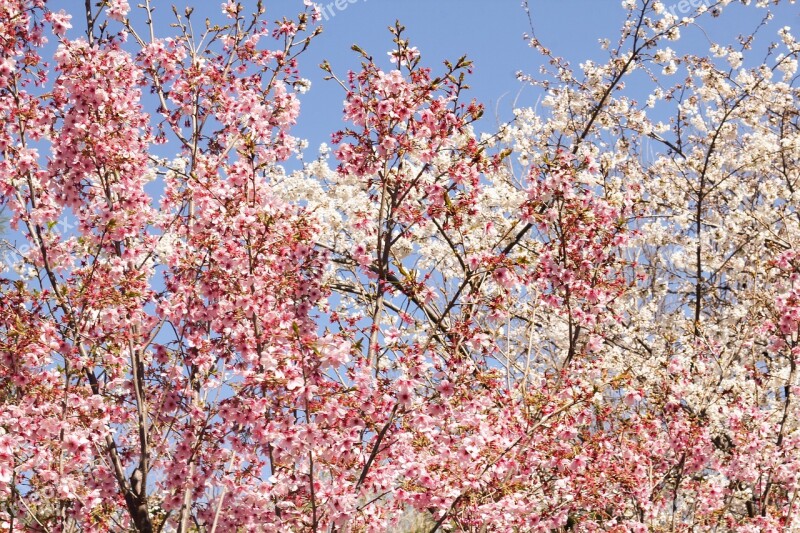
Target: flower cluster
(586,320)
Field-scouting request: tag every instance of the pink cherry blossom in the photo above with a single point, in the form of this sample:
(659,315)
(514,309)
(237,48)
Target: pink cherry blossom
(587,319)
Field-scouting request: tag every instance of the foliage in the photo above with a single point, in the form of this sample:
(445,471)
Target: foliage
(586,320)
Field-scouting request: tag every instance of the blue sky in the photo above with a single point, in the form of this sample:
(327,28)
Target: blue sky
(490,32)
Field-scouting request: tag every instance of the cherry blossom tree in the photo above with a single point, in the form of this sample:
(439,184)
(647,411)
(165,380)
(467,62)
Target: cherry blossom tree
(584,320)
